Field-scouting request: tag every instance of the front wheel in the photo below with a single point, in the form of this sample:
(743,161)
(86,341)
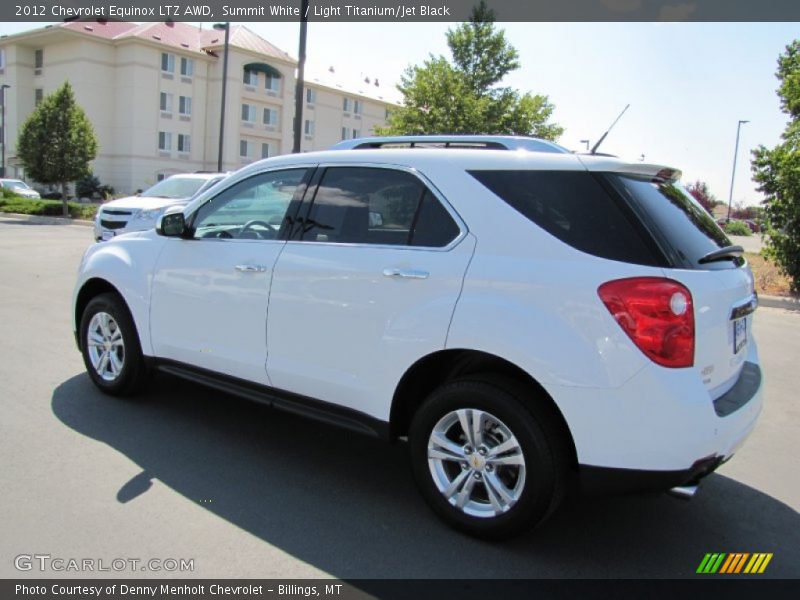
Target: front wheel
(487,458)
(110,346)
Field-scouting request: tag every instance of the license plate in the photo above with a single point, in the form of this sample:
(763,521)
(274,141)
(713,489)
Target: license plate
(107,235)
(739,334)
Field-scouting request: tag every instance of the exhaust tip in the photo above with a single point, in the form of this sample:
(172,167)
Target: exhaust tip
(684,492)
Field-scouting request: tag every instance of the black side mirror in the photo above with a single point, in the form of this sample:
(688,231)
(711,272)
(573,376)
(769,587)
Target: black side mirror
(172,225)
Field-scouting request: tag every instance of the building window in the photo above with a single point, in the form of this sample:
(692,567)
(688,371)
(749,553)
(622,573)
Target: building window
(245,149)
(185,106)
(356,133)
(38,96)
(38,59)
(2,58)
(250,77)
(161,177)
(386,114)
(344,133)
(347,105)
(311,96)
(164,141)
(358,106)
(266,150)
(272,83)
(184,142)
(187,67)
(166,102)
(270,116)
(309,127)
(167,62)
(248,113)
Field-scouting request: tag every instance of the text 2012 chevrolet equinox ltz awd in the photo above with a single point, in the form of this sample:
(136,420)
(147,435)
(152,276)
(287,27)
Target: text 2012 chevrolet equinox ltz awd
(532,321)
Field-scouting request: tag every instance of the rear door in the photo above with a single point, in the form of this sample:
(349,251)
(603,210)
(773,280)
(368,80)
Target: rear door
(722,290)
(367,286)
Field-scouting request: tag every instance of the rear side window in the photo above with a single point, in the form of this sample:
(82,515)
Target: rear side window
(682,227)
(575,208)
(361,205)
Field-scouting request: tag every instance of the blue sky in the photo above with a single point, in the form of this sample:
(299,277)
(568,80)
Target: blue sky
(687,83)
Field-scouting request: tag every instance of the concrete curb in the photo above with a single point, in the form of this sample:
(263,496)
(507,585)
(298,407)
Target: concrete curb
(785,302)
(39,220)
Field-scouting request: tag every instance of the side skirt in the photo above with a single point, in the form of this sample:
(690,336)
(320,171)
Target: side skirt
(312,408)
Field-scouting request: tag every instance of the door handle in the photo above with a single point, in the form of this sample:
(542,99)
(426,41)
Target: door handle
(251,268)
(406,273)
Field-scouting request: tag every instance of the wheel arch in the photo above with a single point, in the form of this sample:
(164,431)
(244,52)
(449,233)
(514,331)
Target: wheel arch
(91,289)
(433,370)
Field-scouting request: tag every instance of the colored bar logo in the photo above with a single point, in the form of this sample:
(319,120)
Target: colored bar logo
(734,563)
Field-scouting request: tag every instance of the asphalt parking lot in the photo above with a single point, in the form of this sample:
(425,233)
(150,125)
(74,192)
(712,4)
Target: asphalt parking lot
(188,473)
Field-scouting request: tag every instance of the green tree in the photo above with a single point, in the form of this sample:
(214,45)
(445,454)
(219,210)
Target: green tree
(57,142)
(777,173)
(464,96)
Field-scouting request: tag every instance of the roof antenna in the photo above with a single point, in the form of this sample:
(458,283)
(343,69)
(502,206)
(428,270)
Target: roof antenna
(600,141)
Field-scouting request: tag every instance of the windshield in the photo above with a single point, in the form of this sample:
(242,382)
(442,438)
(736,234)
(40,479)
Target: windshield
(683,228)
(15,183)
(176,187)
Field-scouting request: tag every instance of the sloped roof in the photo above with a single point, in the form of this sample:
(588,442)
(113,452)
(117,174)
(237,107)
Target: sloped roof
(179,35)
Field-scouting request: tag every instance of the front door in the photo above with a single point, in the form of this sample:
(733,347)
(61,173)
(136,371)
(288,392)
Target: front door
(210,292)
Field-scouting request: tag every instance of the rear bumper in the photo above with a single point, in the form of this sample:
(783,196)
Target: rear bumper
(654,431)
(605,480)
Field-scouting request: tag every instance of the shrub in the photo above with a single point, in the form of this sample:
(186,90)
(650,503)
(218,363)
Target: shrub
(90,187)
(737,228)
(47,208)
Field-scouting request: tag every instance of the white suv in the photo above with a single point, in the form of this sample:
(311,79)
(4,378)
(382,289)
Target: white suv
(137,213)
(530,321)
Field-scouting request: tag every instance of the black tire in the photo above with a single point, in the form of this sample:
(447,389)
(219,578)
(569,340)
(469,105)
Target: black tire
(132,374)
(540,439)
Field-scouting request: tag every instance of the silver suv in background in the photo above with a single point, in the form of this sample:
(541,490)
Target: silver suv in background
(140,212)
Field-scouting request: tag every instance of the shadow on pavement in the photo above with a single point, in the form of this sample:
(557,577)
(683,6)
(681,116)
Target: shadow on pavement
(347,504)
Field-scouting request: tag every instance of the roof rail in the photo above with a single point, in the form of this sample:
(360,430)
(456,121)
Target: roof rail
(480,142)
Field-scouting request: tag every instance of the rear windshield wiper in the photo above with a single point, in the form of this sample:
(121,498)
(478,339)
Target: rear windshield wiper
(725,253)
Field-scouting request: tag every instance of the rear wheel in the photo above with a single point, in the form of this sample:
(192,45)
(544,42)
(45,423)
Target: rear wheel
(488,459)
(110,346)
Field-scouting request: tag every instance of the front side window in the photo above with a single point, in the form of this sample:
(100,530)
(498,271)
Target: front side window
(38,58)
(187,66)
(244,148)
(347,104)
(360,205)
(38,96)
(357,107)
(253,209)
(311,96)
(309,127)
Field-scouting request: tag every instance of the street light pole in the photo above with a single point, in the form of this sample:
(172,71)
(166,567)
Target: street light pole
(733,172)
(299,95)
(227,28)
(3,89)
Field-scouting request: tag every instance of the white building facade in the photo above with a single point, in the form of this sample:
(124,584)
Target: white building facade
(153,93)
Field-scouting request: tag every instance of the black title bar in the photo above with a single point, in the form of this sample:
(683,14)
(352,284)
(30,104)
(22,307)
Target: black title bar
(401,10)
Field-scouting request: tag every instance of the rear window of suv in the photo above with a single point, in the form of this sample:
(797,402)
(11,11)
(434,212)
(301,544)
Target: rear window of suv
(574,207)
(683,229)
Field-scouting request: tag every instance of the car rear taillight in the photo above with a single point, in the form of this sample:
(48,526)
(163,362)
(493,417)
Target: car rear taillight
(657,314)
